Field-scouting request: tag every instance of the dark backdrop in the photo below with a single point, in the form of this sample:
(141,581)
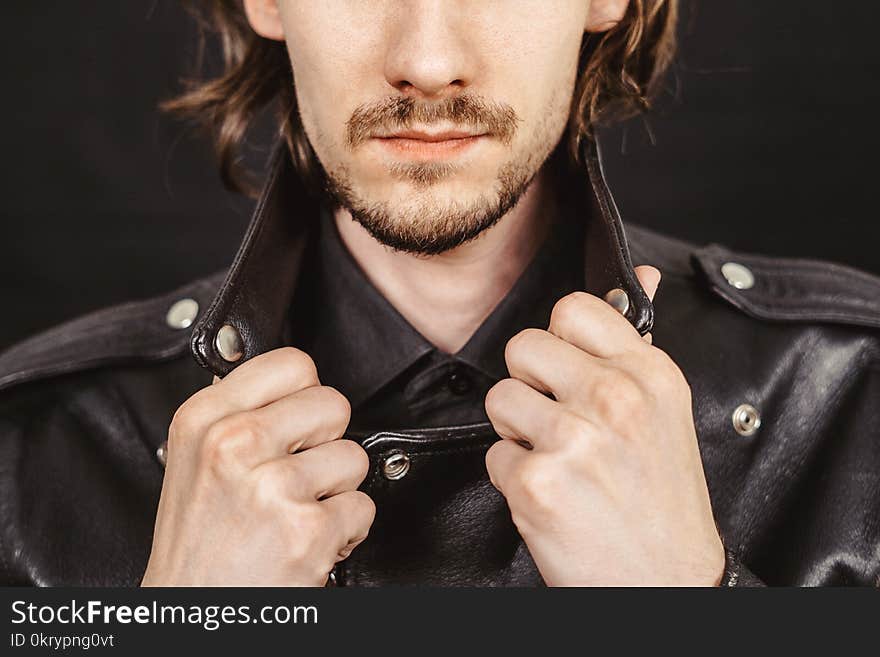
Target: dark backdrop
(766,142)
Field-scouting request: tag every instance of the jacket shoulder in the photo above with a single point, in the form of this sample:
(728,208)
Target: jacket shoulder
(780,289)
(148,330)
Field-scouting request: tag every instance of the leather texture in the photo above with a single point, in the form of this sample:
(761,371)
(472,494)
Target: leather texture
(796,289)
(607,261)
(84,407)
(457,518)
(257,290)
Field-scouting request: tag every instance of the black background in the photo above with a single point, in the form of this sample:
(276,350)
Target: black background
(766,142)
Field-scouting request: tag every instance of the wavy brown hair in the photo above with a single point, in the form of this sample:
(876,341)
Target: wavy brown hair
(620,72)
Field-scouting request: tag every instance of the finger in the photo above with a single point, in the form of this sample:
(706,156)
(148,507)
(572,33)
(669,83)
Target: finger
(260,381)
(519,412)
(268,377)
(649,277)
(502,459)
(302,420)
(326,470)
(549,364)
(352,514)
(592,325)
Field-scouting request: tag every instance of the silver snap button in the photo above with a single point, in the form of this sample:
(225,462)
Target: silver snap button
(162,453)
(182,313)
(746,419)
(737,275)
(618,299)
(395,466)
(228,343)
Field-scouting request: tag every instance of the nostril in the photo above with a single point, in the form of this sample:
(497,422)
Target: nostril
(405,87)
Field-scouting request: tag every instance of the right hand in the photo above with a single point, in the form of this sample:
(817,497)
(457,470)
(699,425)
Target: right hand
(258,490)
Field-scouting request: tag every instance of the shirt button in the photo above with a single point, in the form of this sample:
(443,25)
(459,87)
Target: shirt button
(458,383)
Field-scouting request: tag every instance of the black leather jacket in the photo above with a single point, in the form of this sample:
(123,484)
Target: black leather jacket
(782,355)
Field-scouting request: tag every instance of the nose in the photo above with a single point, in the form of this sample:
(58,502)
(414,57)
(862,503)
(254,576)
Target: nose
(429,55)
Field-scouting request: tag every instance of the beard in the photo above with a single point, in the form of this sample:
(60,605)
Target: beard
(429,223)
(428,226)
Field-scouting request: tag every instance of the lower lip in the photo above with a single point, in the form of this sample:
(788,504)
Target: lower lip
(428,150)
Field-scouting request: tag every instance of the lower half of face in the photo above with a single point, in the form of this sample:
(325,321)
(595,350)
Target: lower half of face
(428,187)
(429,119)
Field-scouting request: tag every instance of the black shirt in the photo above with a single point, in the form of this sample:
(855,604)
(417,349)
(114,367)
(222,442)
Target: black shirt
(392,375)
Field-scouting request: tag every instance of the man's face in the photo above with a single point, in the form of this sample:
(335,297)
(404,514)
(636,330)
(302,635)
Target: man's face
(431,117)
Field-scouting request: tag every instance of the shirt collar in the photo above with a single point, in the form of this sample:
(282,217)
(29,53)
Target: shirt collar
(360,342)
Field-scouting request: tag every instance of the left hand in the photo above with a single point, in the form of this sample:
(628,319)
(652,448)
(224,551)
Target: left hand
(604,480)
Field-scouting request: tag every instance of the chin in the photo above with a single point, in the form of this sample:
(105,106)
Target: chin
(441,186)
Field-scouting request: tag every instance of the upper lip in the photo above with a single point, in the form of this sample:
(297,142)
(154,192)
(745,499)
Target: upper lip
(421,135)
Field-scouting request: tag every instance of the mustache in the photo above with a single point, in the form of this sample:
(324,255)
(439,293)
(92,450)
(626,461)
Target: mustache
(498,119)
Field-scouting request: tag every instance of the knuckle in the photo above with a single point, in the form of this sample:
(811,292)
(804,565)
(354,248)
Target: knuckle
(492,456)
(365,507)
(520,342)
(337,404)
(225,441)
(536,482)
(345,552)
(669,369)
(307,524)
(188,418)
(502,473)
(666,378)
(361,460)
(300,362)
(566,311)
(497,397)
(353,455)
(244,428)
(585,448)
(267,489)
(299,549)
(619,398)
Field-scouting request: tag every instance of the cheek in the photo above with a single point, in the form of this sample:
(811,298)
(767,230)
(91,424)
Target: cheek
(546,106)
(332,75)
(323,103)
(537,74)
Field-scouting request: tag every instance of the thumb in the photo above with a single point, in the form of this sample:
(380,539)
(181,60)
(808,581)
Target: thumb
(649,277)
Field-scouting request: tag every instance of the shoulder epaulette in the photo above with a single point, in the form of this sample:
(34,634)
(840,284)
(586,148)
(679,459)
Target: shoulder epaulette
(791,289)
(140,331)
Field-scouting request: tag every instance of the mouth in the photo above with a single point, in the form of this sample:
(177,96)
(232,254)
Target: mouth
(429,146)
